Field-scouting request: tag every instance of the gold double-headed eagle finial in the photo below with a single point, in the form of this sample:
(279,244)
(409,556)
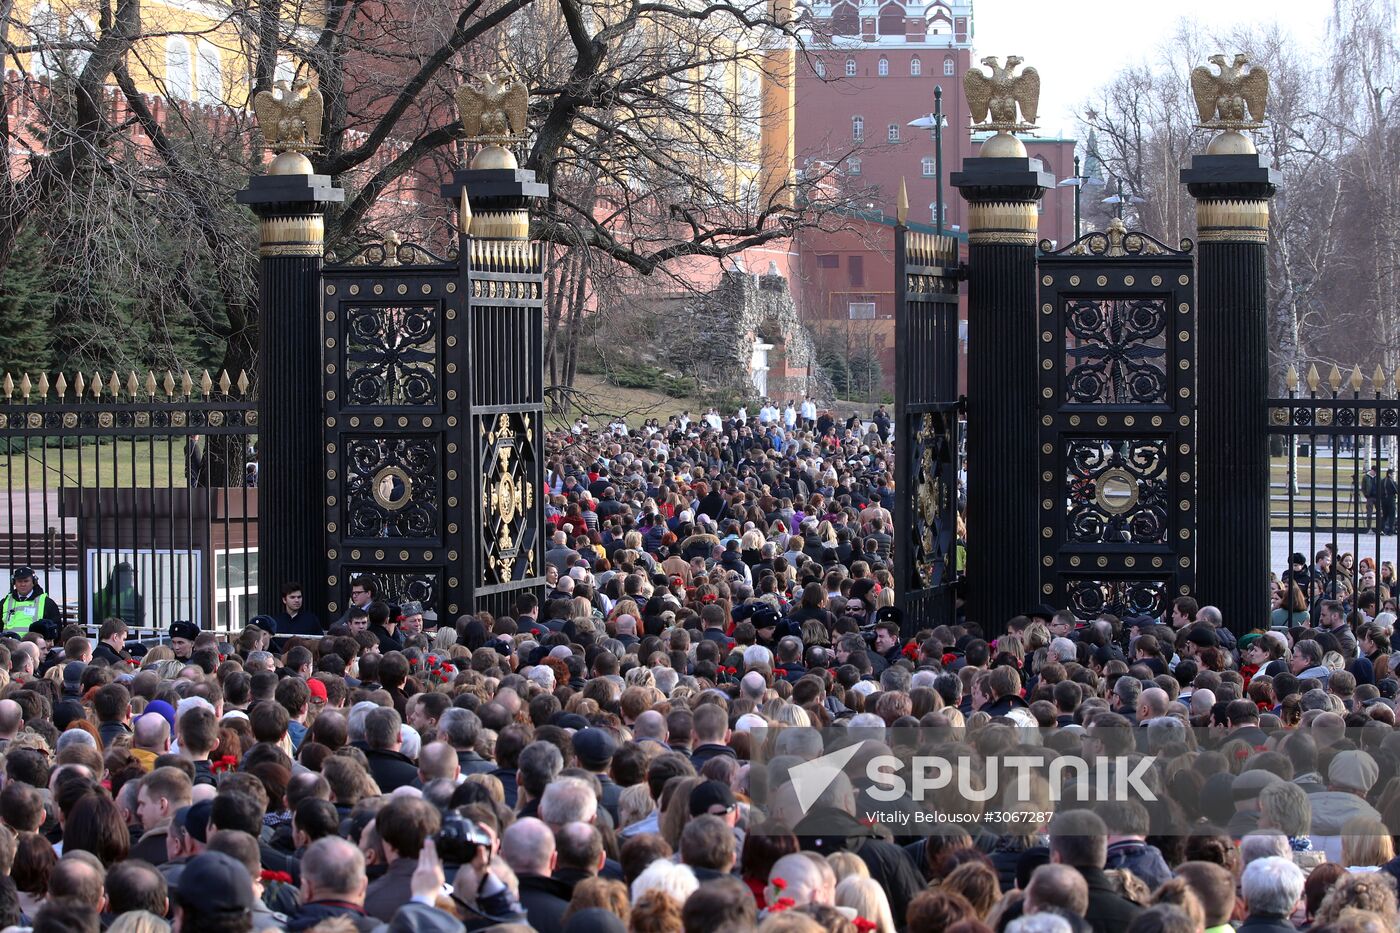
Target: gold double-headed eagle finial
(493,113)
(993,100)
(1231,100)
(290,120)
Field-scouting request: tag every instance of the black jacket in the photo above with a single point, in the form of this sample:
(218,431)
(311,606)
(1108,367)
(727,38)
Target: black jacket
(391,770)
(704,753)
(544,900)
(313,913)
(1266,923)
(1109,912)
(387,642)
(109,654)
(306,623)
(472,763)
(825,830)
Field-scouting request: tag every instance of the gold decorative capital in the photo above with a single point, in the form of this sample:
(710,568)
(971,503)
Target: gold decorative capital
(1232,221)
(301,235)
(1004,222)
(501,225)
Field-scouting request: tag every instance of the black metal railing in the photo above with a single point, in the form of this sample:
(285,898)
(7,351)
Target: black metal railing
(133,497)
(1333,445)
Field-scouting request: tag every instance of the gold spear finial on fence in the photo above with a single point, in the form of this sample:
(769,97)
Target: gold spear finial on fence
(115,385)
(1290,379)
(168,384)
(96,384)
(133,384)
(242,382)
(44,386)
(79,384)
(25,386)
(186,384)
(60,385)
(1313,380)
(1378,379)
(151,384)
(1356,380)
(1334,378)
(224,381)
(206,385)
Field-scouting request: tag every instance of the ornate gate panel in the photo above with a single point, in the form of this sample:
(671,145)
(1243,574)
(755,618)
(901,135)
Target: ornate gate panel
(927,410)
(396,441)
(1117,424)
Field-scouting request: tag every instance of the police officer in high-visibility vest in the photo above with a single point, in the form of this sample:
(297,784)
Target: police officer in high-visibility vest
(25,604)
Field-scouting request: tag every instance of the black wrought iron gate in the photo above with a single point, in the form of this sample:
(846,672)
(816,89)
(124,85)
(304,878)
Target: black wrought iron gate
(1117,432)
(433,410)
(927,411)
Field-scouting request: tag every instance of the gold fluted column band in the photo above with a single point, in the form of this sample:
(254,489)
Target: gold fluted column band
(1232,221)
(501,225)
(299,235)
(1016,223)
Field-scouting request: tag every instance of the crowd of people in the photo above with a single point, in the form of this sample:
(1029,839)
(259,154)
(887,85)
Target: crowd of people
(619,754)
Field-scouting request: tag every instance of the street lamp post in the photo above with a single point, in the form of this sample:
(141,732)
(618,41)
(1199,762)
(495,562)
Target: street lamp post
(1077,181)
(1120,199)
(935,122)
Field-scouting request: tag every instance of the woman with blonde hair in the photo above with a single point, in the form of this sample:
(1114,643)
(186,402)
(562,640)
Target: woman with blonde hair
(1366,843)
(865,896)
(602,893)
(847,865)
(634,804)
(138,921)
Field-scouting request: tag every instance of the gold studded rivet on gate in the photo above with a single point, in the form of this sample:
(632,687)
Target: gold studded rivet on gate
(1075,561)
(426,289)
(355,555)
(1074,280)
(1129,280)
(427,422)
(330,289)
(1102,280)
(378,555)
(403,555)
(1129,562)
(451,367)
(451,287)
(1074,421)
(452,528)
(1184,590)
(1047,588)
(1047,504)
(1046,336)
(334,607)
(379,289)
(1183,336)
(1185,420)
(1184,307)
(1047,449)
(451,394)
(1129,421)
(1047,532)
(354,289)
(1184,534)
(1047,392)
(1185,562)
(331,554)
(427,555)
(1184,477)
(330,422)
(1183,364)
(451,581)
(1184,391)
(452,608)
(403,421)
(1102,562)
(1047,280)
(1185,505)
(331,580)
(402,289)
(379,422)
(1047,365)
(1156,280)
(452,502)
(451,555)
(1156,562)
(451,474)
(452,341)
(1048,561)
(452,448)
(1047,308)
(1046,420)
(1047,476)
(451,312)
(1101,421)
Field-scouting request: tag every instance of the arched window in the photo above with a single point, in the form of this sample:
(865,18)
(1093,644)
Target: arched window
(949,66)
(858,128)
(845,20)
(853,166)
(850,67)
(211,74)
(928,165)
(916,67)
(819,67)
(43,32)
(891,21)
(884,67)
(892,133)
(179,84)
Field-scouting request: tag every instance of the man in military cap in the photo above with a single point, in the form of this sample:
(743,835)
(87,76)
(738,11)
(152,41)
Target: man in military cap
(411,619)
(26,603)
(182,636)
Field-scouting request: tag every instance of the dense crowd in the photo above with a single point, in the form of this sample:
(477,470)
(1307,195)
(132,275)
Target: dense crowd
(619,756)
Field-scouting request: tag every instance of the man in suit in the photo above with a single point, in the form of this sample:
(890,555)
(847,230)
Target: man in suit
(1079,839)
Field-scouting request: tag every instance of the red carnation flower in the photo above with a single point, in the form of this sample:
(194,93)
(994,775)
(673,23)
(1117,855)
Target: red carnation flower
(269,875)
(949,658)
(863,925)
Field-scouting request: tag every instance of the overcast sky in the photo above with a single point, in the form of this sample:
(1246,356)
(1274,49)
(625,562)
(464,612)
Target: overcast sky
(1079,46)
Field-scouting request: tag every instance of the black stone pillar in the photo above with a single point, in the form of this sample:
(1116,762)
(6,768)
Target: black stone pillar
(1232,195)
(1002,482)
(290,203)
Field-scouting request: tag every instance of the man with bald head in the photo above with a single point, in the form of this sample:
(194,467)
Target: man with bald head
(11,721)
(1151,703)
(649,727)
(1056,887)
(438,761)
(529,849)
(333,884)
(150,738)
(802,880)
